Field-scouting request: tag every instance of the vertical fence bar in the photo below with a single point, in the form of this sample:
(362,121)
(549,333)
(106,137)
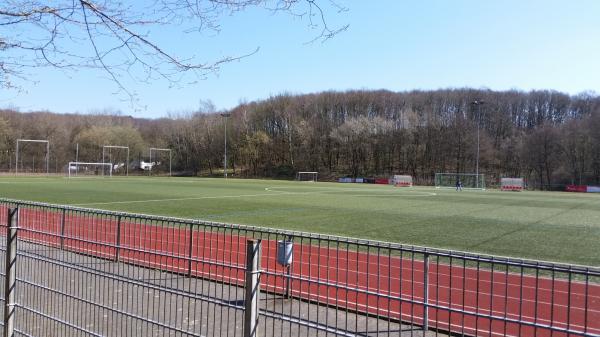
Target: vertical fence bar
(118,240)
(11,272)
(190,250)
(425,293)
(252,297)
(62,229)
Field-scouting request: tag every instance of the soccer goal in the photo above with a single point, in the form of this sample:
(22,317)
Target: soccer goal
(158,161)
(512,184)
(25,156)
(401,181)
(467,180)
(307,176)
(77,169)
(119,157)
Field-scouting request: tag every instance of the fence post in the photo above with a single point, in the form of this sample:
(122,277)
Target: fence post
(425,293)
(118,240)
(252,297)
(62,229)
(11,272)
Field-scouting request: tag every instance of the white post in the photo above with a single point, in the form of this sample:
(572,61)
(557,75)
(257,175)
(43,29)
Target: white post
(103,148)
(127,164)
(17,159)
(48,158)
(76,160)
(225,160)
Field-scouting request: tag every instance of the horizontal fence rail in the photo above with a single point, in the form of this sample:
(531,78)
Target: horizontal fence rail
(85,271)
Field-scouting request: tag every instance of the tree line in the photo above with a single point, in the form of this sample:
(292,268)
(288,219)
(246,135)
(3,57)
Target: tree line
(548,137)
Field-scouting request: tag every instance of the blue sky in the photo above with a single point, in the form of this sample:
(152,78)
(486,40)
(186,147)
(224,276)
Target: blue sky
(395,45)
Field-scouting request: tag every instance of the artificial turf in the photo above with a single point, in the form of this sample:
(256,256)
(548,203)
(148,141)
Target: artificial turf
(552,226)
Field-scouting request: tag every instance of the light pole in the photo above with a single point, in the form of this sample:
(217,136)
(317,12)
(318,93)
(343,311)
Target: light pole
(477,104)
(225,116)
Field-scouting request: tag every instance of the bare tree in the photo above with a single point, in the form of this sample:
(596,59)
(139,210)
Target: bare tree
(115,37)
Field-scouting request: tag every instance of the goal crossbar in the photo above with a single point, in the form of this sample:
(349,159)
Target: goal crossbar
(33,141)
(157,149)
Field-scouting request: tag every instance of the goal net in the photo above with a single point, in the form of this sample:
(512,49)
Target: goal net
(307,176)
(401,181)
(467,180)
(81,169)
(512,184)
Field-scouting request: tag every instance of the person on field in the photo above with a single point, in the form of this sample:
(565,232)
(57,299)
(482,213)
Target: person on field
(458,185)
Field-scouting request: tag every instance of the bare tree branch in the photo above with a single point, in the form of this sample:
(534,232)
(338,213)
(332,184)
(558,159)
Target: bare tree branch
(37,33)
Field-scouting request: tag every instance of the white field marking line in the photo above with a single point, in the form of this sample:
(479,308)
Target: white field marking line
(376,193)
(121,179)
(27,182)
(223,197)
(183,199)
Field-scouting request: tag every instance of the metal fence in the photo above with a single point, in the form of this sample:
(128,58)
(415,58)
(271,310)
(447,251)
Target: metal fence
(89,272)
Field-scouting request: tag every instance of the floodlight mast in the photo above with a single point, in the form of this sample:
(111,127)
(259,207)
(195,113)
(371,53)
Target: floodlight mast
(159,149)
(33,141)
(117,147)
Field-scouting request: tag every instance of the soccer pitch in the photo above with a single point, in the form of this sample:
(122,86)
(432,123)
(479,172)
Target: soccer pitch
(551,226)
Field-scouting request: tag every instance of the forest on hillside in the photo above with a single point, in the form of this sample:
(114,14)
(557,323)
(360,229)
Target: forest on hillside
(548,137)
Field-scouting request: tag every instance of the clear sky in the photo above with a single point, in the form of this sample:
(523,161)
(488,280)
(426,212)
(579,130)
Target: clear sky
(390,44)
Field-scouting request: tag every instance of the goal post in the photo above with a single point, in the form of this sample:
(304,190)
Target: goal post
(467,180)
(110,159)
(512,184)
(307,176)
(76,168)
(47,156)
(401,180)
(156,149)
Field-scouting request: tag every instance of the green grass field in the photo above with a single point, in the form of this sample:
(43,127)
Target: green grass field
(551,226)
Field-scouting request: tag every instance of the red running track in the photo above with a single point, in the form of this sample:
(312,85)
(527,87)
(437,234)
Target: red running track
(385,285)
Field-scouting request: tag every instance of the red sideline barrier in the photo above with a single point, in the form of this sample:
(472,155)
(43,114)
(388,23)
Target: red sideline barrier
(576,188)
(382,181)
(517,188)
(542,300)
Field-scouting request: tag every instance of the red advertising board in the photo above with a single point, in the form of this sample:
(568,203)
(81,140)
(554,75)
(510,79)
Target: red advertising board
(576,188)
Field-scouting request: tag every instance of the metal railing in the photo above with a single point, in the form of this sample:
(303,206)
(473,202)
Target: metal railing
(94,272)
